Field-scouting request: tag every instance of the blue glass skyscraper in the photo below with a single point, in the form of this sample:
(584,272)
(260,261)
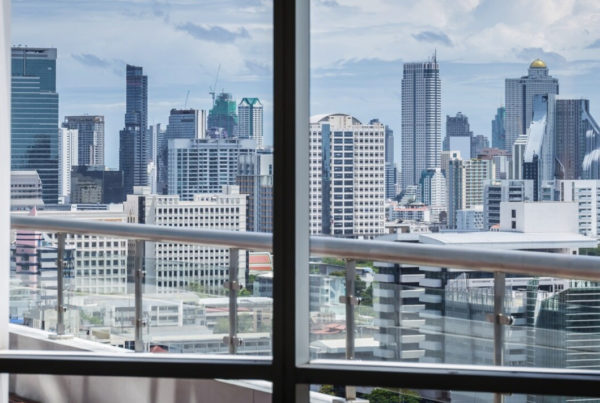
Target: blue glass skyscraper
(134,150)
(34,116)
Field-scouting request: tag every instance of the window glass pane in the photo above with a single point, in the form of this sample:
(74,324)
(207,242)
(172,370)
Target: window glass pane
(151,113)
(454,134)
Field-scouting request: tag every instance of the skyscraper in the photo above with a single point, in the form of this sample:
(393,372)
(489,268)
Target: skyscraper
(250,118)
(90,138)
(540,152)
(455,179)
(459,136)
(421,124)
(498,132)
(134,150)
(223,115)
(575,128)
(519,93)
(34,116)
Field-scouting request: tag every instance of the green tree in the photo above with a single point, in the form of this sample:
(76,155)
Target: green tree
(327,389)
(379,395)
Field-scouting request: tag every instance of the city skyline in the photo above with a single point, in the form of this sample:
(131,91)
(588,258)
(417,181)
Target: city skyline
(473,66)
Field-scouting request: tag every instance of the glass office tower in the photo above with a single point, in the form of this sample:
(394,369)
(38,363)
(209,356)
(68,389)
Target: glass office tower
(34,116)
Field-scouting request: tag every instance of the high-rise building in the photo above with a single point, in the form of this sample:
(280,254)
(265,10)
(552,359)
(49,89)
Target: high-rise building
(574,129)
(186,124)
(518,153)
(478,144)
(183,124)
(434,192)
(519,93)
(477,172)
(94,184)
(347,176)
(255,178)
(498,132)
(204,165)
(540,152)
(250,120)
(455,179)
(34,116)
(391,171)
(223,116)
(90,130)
(224,210)
(421,119)
(134,146)
(68,151)
(458,135)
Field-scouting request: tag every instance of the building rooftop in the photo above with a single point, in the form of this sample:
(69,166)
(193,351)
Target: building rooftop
(510,240)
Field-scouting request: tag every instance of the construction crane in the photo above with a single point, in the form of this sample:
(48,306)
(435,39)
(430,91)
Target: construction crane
(214,86)
(186,99)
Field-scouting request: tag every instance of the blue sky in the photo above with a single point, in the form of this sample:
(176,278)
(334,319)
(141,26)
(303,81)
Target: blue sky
(357,51)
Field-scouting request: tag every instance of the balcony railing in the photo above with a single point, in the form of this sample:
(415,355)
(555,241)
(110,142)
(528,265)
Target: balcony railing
(349,372)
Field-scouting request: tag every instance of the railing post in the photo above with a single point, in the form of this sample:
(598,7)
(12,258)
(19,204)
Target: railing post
(233,286)
(60,285)
(499,295)
(350,300)
(138,275)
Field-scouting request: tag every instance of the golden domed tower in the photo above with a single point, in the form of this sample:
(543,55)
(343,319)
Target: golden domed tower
(538,64)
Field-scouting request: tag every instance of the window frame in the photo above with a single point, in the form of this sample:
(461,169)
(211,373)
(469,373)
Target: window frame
(290,369)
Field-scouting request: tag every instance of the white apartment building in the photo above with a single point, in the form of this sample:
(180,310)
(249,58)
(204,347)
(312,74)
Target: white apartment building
(68,156)
(171,267)
(347,176)
(99,262)
(477,172)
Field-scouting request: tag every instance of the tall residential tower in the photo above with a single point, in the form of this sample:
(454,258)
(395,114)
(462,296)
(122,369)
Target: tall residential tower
(421,120)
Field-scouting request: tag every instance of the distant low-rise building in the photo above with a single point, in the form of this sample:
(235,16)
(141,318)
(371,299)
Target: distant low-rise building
(25,190)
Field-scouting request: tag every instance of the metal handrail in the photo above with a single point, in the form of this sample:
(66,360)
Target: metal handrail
(507,261)
(498,262)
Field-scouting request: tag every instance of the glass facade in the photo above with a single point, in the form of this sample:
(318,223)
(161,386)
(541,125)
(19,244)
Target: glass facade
(34,116)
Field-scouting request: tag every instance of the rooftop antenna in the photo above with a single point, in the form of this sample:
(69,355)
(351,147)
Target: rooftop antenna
(214,86)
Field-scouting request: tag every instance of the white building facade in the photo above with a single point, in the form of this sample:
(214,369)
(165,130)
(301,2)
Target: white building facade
(67,157)
(173,267)
(347,176)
